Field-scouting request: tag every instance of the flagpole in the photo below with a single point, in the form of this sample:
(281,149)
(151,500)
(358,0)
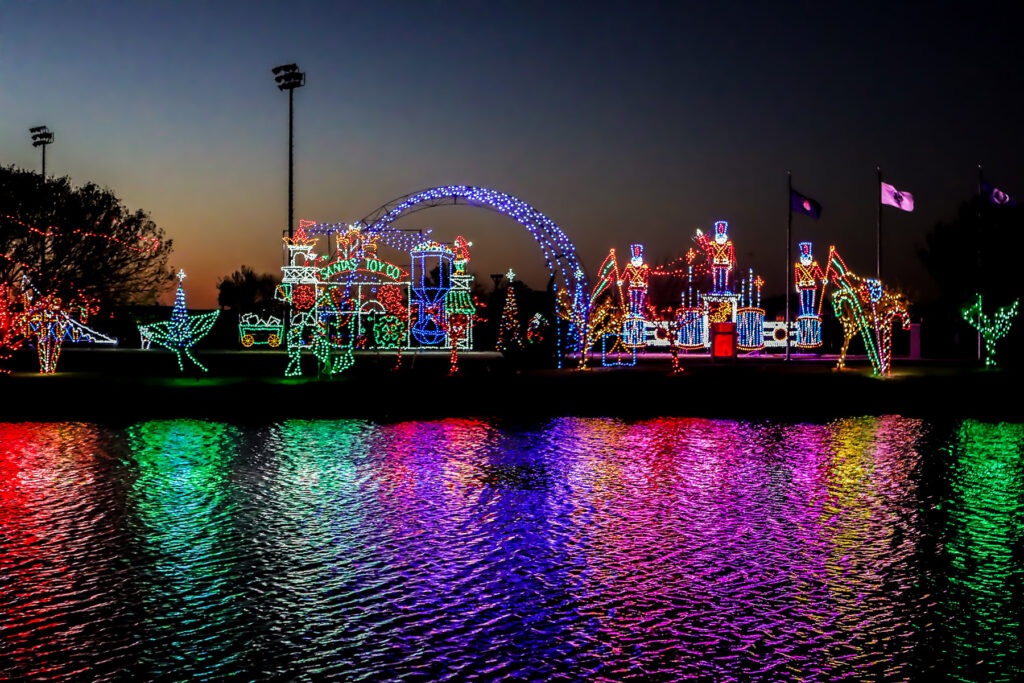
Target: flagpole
(981,185)
(878,255)
(789,251)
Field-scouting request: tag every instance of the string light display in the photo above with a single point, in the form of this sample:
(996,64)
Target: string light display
(358,299)
(254,330)
(690,315)
(865,307)
(720,254)
(750,315)
(11,330)
(432,266)
(691,327)
(591,322)
(314,320)
(509,336)
(807,275)
(614,351)
(459,299)
(558,251)
(460,317)
(536,329)
(396,238)
(597,314)
(183,331)
(391,329)
(46,321)
(146,244)
(991,329)
(775,335)
(635,275)
(667,329)
(699,310)
(620,296)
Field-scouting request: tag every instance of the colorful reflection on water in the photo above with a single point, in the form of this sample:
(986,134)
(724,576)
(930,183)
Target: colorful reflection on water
(576,549)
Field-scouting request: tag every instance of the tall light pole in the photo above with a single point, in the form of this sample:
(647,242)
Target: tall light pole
(288,77)
(41,137)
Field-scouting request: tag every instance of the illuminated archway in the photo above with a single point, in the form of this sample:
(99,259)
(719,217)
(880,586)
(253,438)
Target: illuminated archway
(559,252)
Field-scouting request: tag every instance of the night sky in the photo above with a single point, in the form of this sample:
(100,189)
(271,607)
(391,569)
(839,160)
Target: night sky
(622,122)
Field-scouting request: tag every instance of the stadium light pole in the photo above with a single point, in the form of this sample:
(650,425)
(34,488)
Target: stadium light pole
(288,77)
(41,137)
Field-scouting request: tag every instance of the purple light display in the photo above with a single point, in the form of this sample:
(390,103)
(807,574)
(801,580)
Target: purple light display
(559,252)
(573,549)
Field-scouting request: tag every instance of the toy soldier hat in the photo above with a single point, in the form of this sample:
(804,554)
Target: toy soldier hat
(722,228)
(636,251)
(805,249)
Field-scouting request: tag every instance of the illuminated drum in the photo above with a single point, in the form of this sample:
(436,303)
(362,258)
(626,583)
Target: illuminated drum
(750,328)
(691,327)
(808,331)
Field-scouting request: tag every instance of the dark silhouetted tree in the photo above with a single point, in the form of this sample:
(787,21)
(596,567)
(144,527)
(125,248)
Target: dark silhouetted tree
(976,252)
(79,239)
(246,292)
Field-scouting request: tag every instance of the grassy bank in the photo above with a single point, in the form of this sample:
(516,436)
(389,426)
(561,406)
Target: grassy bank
(113,385)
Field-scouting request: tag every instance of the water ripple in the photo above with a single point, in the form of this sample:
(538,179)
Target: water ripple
(873,549)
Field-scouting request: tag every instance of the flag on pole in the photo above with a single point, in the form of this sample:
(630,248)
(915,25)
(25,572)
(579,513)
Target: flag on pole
(893,197)
(802,204)
(997,196)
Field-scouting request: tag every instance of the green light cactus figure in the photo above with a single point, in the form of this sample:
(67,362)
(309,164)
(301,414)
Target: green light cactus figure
(991,329)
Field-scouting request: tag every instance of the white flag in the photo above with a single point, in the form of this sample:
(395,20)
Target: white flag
(893,197)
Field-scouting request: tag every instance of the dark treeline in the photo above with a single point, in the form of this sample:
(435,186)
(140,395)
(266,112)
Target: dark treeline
(69,240)
(246,291)
(974,253)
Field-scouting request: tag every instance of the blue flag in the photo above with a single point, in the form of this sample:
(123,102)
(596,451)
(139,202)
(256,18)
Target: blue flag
(806,205)
(997,196)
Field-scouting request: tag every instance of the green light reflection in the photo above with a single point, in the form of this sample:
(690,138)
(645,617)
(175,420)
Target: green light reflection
(180,501)
(984,532)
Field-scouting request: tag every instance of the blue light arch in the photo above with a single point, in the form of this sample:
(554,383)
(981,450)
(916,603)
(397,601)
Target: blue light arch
(559,252)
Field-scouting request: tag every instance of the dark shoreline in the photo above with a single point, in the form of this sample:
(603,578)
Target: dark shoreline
(120,386)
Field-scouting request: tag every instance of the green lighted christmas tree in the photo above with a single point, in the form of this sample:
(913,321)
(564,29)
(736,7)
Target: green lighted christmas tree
(182,332)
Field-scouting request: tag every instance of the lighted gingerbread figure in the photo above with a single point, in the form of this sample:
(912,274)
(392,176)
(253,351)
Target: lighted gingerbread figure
(721,255)
(635,276)
(807,275)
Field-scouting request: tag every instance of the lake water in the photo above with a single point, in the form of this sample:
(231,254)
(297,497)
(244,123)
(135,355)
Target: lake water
(876,548)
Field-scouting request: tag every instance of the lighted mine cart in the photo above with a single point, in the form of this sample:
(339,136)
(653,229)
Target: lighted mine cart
(254,330)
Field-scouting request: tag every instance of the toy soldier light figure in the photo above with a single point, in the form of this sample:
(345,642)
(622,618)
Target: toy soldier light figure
(721,255)
(807,274)
(635,275)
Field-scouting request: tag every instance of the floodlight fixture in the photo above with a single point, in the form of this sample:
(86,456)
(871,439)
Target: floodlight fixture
(41,137)
(288,77)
